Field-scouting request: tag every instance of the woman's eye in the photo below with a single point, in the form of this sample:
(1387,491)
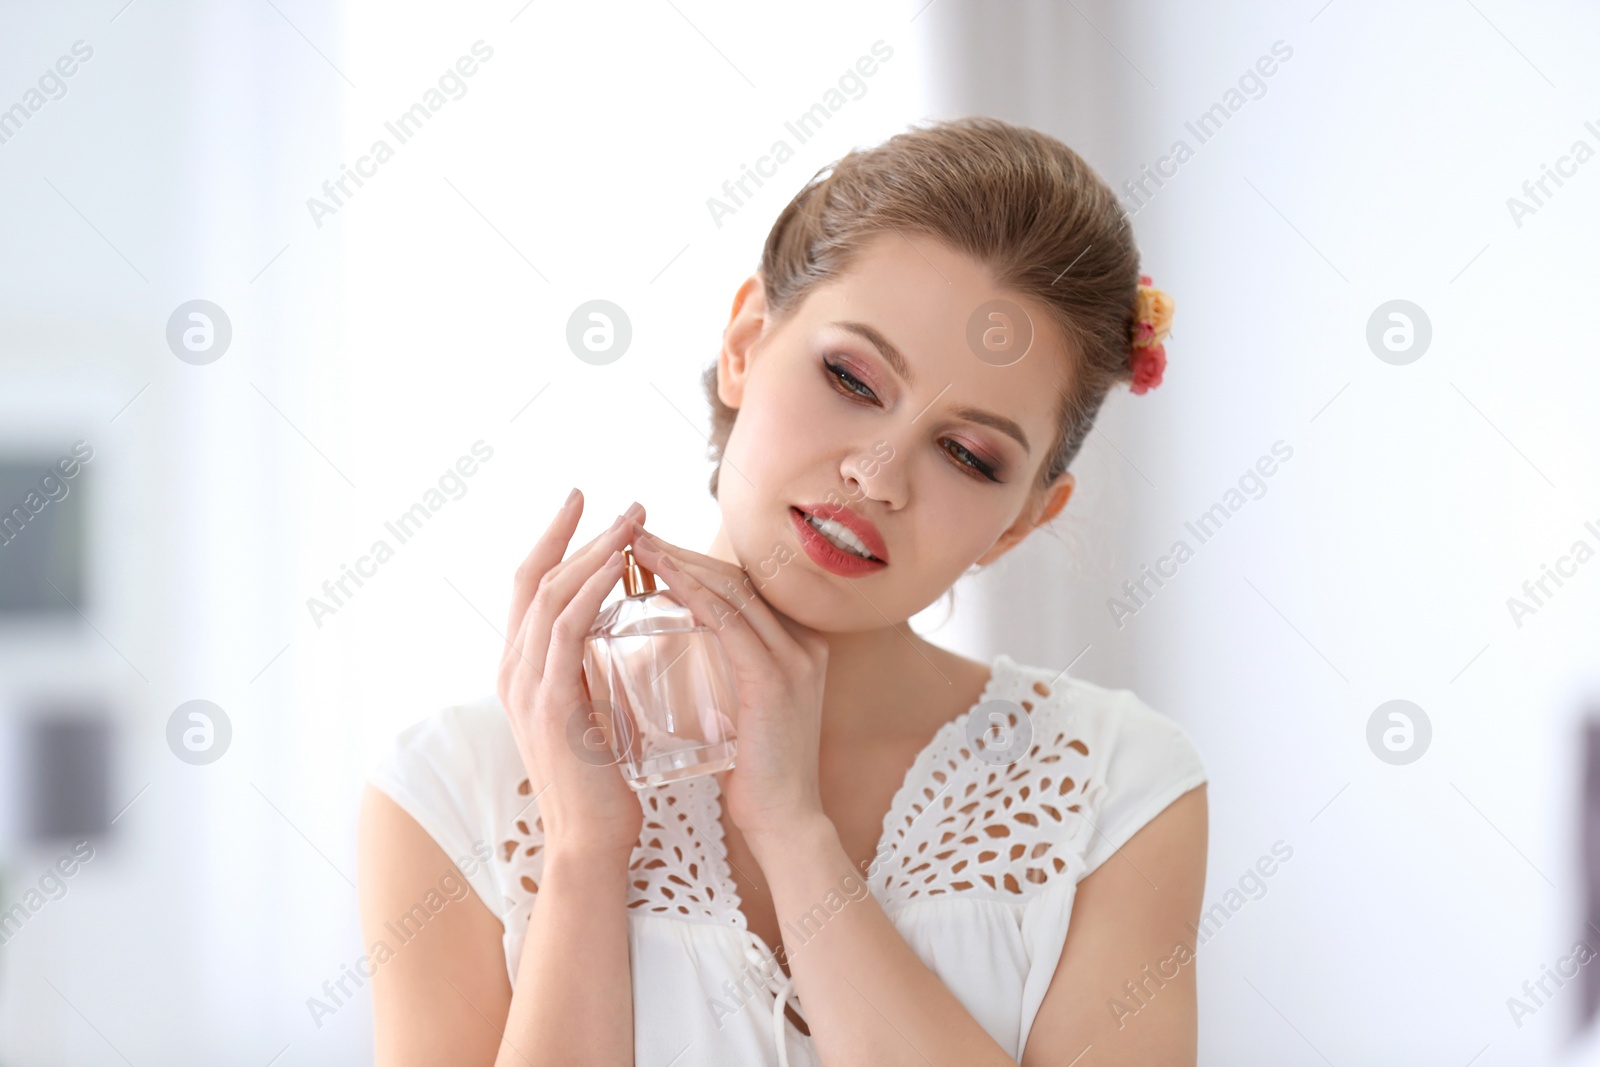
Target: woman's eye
(849,381)
(964,456)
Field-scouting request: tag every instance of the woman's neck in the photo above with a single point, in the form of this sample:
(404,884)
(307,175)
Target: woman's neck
(883,681)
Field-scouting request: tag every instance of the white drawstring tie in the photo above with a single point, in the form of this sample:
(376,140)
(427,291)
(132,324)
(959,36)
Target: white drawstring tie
(780,985)
(782,994)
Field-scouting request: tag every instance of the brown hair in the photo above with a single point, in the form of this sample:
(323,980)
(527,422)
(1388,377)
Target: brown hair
(1015,199)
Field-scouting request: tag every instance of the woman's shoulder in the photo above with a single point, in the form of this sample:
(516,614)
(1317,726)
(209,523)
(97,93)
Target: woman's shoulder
(471,739)
(458,773)
(1036,784)
(1140,759)
(1054,691)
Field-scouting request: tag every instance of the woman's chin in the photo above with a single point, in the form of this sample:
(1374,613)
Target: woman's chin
(796,588)
(817,602)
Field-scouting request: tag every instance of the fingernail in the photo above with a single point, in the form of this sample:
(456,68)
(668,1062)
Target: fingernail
(572,498)
(612,562)
(634,507)
(665,563)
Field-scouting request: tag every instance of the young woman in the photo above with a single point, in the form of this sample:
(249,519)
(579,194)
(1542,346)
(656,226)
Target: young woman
(900,390)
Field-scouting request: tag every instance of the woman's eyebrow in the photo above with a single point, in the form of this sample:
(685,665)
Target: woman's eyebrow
(885,349)
(999,422)
(897,361)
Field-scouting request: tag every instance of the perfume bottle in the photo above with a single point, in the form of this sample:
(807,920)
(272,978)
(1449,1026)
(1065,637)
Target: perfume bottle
(667,682)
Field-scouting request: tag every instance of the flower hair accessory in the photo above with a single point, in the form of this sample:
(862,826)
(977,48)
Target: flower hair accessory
(1152,321)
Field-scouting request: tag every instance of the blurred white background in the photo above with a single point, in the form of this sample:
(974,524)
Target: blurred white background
(376,341)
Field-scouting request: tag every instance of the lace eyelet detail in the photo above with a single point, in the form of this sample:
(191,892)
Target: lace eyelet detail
(678,871)
(956,825)
(1000,830)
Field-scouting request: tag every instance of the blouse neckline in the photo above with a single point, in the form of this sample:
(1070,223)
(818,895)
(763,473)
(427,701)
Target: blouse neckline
(898,809)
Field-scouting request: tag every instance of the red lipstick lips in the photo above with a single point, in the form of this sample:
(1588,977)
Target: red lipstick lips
(830,557)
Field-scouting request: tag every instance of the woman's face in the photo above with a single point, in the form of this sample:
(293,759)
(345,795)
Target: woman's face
(870,397)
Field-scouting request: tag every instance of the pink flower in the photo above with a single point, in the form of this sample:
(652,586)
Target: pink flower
(1152,322)
(1149,363)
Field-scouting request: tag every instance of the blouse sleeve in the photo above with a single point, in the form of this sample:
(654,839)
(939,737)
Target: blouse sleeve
(1150,762)
(435,773)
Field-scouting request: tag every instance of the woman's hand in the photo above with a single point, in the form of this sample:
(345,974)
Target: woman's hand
(584,805)
(779,667)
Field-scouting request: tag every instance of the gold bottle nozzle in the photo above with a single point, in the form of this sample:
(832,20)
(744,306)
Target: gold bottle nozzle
(636,578)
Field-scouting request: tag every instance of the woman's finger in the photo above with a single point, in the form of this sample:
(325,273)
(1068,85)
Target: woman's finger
(731,571)
(564,661)
(731,583)
(517,672)
(715,611)
(546,553)
(560,585)
(596,551)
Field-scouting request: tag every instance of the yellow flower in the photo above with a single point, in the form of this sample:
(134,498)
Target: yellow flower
(1155,307)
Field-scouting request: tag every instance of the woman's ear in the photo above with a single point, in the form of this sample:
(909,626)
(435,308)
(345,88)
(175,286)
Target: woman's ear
(1045,507)
(745,325)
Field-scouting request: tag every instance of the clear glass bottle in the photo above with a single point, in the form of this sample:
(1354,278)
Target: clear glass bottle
(666,681)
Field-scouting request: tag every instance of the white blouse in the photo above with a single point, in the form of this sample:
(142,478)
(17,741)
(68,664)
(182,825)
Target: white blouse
(981,888)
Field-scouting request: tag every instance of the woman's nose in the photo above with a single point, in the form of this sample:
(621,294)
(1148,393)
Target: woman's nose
(877,471)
